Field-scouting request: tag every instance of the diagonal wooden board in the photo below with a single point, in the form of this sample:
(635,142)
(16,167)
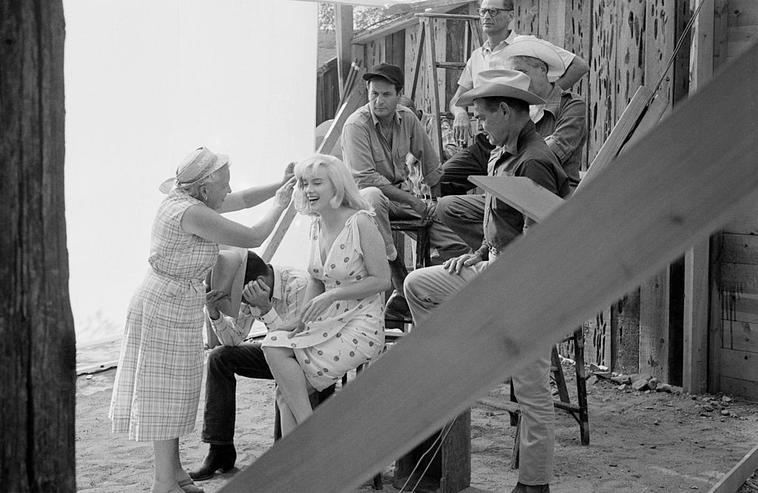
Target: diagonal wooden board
(521,193)
(569,266)
(355,100)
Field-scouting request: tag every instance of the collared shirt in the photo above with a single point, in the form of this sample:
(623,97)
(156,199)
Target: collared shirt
(376,162)
(286,305)
(488,58)
(531,158)
(563,124)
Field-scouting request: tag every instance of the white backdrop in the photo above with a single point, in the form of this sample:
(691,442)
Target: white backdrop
(148,81)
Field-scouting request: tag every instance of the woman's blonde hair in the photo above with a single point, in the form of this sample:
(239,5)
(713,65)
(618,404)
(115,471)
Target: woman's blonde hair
(345,190)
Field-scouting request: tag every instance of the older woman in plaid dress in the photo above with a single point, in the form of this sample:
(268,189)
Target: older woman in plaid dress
(157,386)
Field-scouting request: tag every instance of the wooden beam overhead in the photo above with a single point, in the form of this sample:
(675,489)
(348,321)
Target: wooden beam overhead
(574,263)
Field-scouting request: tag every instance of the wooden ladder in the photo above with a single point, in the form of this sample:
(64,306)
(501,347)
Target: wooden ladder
(471,34)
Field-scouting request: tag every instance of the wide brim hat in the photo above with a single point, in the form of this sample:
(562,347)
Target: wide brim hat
(532,46)
(501,83)
(199,164)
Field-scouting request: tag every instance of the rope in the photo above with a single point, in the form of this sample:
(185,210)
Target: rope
(436,445)
(679,44)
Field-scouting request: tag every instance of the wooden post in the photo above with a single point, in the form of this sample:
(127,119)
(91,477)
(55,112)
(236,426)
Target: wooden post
(343,25)
(654,293)
(576,262)
(37,341)
(696,259)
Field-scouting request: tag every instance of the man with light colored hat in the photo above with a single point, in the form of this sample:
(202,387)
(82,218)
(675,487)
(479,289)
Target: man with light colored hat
(502,99)
(497,18)
(378,140)
(562,121)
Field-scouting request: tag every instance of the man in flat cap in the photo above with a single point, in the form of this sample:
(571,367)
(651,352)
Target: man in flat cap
(502,99)
(378,140)
(561,121)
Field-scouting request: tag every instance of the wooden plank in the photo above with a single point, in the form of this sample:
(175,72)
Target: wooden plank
(621,131)
(744,336)
(625,333)
(629,70)
(343,26)
(697,262)
(720,32)
(739,364)
(655,111)
(732,481)
(602,62)
(575,263)
(654,326)
(740,278)
(745,221)
(743,13)
(739,248)
(736,386)
(695,320)
(740,307)
(355,100)
(521,193)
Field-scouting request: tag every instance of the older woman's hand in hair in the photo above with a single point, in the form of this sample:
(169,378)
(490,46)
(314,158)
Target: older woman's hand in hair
(284,194)
(289,172)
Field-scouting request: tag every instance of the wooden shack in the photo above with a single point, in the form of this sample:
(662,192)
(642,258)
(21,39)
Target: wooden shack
(694,324)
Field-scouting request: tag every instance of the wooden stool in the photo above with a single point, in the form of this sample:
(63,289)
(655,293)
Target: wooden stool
(579,410)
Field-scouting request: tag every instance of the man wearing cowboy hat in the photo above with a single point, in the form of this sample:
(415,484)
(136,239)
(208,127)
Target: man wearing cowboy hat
(377,141)
(562,121)
(497,20)
(502,99)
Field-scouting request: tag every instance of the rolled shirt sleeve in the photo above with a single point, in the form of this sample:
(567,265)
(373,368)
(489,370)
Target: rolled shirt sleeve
(232,331)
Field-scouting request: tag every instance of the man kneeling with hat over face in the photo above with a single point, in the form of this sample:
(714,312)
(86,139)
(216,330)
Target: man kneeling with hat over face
(502,98)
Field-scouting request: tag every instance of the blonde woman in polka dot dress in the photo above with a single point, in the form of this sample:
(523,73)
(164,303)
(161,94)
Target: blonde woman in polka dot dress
(342,325)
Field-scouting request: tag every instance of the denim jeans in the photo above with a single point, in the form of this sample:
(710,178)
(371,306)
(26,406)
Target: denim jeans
(224,362)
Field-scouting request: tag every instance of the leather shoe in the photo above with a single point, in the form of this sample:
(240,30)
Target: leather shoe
(537,488)
(397,308)
(219,457)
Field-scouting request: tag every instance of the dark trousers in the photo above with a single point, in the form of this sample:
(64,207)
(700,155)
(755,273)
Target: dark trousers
(224,363)
(469,161)
(464,214)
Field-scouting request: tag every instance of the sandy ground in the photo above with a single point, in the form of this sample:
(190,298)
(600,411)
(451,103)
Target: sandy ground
(640,442)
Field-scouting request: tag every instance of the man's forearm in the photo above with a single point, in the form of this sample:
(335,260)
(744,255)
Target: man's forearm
(573,73)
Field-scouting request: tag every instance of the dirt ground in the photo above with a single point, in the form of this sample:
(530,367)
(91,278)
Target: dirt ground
(640,441)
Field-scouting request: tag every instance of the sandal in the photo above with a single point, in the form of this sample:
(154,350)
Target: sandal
(190,487)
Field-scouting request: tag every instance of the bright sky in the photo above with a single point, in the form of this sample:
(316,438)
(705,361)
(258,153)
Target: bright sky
(147,82)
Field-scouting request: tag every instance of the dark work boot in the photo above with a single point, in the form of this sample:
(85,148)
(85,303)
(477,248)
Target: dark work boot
(219,457)
(538,488)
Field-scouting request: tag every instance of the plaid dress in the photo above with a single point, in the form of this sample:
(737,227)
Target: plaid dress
(160,369)
(349,332)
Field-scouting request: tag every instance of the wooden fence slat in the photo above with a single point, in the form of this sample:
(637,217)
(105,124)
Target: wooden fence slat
(575,263)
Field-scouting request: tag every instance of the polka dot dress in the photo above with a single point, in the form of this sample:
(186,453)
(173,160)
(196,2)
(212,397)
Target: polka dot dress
(349,332)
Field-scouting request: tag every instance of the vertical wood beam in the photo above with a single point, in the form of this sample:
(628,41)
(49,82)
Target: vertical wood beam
(343,24)
(660,30)
(37,339)
(697,259)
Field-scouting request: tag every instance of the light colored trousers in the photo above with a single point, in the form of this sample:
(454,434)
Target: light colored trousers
(447,243)
(424,290)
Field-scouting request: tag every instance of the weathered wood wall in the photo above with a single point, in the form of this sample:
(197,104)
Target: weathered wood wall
(327,91)
(736,268)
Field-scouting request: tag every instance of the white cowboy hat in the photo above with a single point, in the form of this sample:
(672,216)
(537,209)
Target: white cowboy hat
(199,164)
(531,46)
(504,83)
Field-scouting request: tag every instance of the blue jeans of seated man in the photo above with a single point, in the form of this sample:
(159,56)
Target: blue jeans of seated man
(224,363)
(425,289)
(447,243)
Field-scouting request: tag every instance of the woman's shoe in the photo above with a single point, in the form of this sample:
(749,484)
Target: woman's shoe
(189,487)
